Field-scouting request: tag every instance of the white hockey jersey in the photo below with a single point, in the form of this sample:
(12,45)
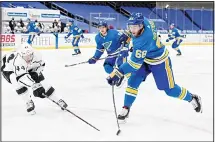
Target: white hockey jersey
(13,62)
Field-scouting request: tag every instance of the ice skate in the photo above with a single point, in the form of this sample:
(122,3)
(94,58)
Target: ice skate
(197,103)
(30,107)
(62,104)
(179,54)
(124,114)
(77,52)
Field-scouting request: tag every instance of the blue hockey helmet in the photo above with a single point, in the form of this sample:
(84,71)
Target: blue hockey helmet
(172,24)
(102,23)
(136,19)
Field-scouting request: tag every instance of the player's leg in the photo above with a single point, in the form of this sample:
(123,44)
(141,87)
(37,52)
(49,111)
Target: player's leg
(132,90)
(120,61)
(175,46)
(49,90)
(75,41)
(24,93)
(20,89)
(30,39)
(76,44)
(109,64)
(164,79)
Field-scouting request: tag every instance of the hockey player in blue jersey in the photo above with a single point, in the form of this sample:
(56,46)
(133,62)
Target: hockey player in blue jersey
(115,44)
(174,34)
(32,30)
(149,56)
(77,34)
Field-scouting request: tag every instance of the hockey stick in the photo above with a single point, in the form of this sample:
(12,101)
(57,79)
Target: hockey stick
(72,113)
(118,132)
(87,61)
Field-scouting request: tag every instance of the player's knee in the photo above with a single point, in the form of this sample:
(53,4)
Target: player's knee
(50,91)
(108,68)
(173,92)
(175,45)
(22,90)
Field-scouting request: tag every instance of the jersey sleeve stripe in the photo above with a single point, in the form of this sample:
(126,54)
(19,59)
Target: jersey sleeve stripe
(30,78)
(134,65)
(162,58)
(100,50)
(18,77)
(24,84)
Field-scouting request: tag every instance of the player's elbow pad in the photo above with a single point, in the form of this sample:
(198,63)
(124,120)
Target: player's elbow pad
(25,79)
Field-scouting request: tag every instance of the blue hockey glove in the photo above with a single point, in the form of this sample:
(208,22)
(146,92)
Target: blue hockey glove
(82,36)
(92,60)
(66,37)
(167,40)
(115,78)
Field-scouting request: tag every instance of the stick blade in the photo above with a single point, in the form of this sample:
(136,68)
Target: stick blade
(118,132)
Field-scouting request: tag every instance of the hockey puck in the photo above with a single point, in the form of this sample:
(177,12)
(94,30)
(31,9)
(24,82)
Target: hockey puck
(118,132)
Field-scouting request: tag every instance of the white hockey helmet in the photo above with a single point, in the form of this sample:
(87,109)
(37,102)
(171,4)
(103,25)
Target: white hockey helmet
(26,51)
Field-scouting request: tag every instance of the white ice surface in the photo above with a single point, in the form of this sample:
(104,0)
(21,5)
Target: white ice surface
(154,115)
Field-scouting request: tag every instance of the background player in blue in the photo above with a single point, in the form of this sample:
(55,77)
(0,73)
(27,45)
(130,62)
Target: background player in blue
(116,45)
(32,30)
(174,34)
(77,34)
(149,56)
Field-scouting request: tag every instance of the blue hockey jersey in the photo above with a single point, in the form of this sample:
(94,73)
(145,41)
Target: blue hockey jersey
(32,28)
(146,48)
(174,34)
(75,31)
(111,42)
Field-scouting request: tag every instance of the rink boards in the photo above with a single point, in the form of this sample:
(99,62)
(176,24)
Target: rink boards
(51,41)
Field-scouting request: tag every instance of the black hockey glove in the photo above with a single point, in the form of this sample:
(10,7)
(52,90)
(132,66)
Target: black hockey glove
(36,77)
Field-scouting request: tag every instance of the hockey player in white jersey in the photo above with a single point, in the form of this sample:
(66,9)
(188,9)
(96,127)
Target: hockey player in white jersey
(23,69)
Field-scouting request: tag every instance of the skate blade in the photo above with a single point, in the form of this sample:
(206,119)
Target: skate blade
(122,121)
(76,54)
(33,112)
(200,101)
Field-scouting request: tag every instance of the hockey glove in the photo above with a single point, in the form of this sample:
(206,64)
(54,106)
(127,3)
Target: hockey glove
(38,90)
(66,37)
(37,77)
(115,78)
(167,40)
(92,60)
(82,36)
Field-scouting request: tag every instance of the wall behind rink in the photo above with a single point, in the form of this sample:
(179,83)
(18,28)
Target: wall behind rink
(51,41)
